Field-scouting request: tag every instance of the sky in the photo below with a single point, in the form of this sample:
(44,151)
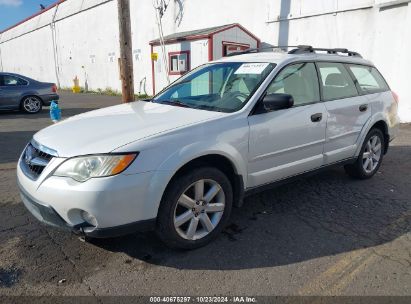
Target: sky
(13,11)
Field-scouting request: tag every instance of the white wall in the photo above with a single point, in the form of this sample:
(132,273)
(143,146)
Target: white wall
(234,34)
(88,40)
(198,55)
(80,32)
(30,54)
(381,34)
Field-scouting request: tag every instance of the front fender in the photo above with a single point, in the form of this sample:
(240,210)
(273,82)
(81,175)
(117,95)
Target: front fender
(198,149)
(168,168)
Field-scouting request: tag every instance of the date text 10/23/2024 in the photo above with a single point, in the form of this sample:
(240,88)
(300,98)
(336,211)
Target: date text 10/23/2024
(214,299)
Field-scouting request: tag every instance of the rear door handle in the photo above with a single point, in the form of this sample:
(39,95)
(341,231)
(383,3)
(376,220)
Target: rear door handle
(316,117)
(363,108)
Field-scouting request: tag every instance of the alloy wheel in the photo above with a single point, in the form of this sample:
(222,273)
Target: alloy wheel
(32,104)
(372,154)
(199,209)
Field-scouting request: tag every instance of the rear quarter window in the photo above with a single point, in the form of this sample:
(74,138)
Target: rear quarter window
(21,81)
(368,79)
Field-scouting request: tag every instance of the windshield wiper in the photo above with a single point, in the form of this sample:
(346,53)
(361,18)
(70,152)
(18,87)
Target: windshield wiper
(175,102)
(209,108)
(178,103)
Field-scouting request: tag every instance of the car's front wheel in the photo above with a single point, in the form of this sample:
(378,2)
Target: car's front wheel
(31,104)
(194,208)
(370,158)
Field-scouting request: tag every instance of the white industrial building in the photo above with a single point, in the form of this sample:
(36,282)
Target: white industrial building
(80,37)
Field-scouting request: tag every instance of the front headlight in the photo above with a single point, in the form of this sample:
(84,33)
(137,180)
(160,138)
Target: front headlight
(85,167)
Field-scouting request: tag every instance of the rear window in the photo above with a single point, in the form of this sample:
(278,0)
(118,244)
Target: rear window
(368,78)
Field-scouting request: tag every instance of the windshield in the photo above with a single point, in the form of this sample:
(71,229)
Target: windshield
(223,87)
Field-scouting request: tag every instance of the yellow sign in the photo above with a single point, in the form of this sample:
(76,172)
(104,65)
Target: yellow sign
(154,56)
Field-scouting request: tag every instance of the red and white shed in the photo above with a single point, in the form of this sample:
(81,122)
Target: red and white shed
(183,51)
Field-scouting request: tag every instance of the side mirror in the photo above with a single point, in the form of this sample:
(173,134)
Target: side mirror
(277,101)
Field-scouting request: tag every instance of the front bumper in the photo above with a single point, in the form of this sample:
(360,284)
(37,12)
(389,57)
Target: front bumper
(121,204)
(47,215)
(43,213)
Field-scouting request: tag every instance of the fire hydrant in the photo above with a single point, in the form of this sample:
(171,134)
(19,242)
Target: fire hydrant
(76,86)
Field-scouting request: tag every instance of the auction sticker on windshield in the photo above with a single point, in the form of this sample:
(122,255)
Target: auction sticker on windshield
(251,68)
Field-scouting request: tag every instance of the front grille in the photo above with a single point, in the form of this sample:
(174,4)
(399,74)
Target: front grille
(35,158)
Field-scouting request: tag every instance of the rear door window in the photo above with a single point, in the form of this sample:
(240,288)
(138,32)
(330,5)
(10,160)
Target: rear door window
(369,80)
(336,82)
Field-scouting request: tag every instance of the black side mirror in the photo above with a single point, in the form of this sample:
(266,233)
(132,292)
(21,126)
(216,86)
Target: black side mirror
(277,101)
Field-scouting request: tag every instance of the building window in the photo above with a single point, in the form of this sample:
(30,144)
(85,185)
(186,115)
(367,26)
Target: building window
(232,47)
(179,62)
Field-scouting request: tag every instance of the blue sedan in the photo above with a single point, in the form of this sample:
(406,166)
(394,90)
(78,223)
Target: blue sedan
(19,92)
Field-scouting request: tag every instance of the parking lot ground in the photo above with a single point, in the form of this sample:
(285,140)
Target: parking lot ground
(323,235)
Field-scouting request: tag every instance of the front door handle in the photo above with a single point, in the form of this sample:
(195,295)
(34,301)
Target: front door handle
(363,108)
(316,117)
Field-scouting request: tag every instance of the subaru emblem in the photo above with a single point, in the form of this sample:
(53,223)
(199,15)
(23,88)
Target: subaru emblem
(28,156)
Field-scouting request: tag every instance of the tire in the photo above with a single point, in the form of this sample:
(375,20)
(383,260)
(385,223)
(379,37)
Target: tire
(368,163)
(178,216)
(31,104)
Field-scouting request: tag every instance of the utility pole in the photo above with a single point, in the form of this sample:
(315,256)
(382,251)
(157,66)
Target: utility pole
(126,56)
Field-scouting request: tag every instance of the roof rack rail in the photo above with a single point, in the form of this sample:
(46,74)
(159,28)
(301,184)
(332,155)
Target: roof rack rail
(297,49)
(257,50)
(250,50)
(303,49)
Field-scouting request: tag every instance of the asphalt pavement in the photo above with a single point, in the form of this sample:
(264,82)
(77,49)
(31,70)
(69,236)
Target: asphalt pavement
(324,235)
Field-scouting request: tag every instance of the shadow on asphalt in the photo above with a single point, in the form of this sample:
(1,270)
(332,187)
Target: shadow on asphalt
(12,144)
(322,215)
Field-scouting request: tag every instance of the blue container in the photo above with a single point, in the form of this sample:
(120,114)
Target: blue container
(55,112)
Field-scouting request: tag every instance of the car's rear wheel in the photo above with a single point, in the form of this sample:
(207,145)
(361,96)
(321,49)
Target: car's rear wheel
(370,158)
(194,208)
(31,104)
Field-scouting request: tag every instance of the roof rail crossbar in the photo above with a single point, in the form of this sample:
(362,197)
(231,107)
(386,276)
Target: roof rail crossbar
(303,49)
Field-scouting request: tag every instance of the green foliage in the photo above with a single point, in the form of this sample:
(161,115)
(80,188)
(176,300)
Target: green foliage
(142,96)
(107,91)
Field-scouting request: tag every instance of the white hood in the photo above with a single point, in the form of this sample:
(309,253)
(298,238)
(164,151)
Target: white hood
(102,131)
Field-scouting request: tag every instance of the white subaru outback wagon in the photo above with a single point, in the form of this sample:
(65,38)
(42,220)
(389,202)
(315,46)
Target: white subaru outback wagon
(179,162)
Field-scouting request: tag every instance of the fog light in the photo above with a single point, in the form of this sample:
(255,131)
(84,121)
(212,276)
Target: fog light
(90,219)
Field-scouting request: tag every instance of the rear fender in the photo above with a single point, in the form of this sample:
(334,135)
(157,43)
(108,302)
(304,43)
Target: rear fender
(367,127)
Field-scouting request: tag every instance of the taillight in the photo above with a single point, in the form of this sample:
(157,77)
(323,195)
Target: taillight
(396,98)
(54,88)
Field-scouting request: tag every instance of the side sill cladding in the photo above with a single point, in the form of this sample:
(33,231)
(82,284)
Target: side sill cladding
(274,184)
